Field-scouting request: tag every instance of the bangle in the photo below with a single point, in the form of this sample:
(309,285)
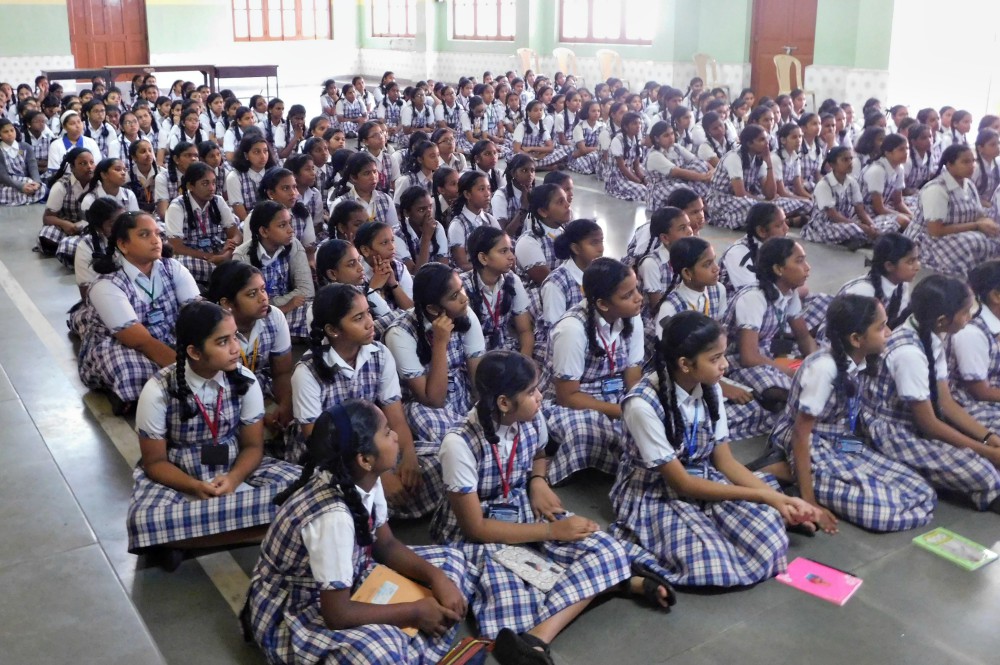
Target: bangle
(538,475)
(548,531)
(987,436)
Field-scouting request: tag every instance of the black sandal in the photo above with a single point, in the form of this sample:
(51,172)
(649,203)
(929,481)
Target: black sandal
(651,583)
(511,648)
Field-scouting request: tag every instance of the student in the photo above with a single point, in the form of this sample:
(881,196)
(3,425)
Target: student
(918,168)
(973,352)
(109,179)
(653,267)
(474,125)
(339,262)
(422,160)
(141,169)
(496,295)
(420,238)
(895,264)
(444,139)
(133,307)
(319,152)
(986,174)
(586,139)
(100,219)
(200,227)
(38,135)
(669,167)
(388,109)
(437,346)
(625,177)
(351,111)
(534,138)
(812,149)
(210,153)
(166,183)
(597,354)
(483,158)
(371,139)
(188,129)
(274,126)
(717,140)
(345,220)
(951,226)
(683,198)
(328,100)
(244,120)
(910,411)
(787,163)
(444,194)
(358,183)
(737,265)
(487,508)
(548,211)
(375,242)
(744,177)
(96,128)
(62,217)
(281,185)
(448,113)
(416,114)
(867,150)
(329,533)
(757,314)
(72,137)
(20,183)
(262,333)
(469,213)
(510,202)
(882,184)
(680,493)
(202,481)
(840,216)
(955,131)
(273,249)
(836,470)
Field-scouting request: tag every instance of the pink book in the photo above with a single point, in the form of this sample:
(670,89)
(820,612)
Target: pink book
(816,579)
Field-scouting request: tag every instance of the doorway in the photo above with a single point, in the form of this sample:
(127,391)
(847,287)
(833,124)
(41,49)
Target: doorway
(108,32)
(779,26)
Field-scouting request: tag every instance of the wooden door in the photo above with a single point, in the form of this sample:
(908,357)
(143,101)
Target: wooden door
(777,25)
(108,32)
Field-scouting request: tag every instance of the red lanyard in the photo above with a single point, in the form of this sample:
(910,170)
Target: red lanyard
(494,313)
(610,352)
(505,478)
(199,215)
(213,425)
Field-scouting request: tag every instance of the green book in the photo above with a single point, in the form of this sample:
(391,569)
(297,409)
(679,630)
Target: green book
(953,547)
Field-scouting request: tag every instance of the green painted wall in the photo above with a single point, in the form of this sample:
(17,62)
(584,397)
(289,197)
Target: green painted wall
(853,33)
(24,25)
(166,21)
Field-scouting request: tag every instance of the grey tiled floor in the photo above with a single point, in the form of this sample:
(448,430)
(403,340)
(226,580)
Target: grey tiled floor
(71,593)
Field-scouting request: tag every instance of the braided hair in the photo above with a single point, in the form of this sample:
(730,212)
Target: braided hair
(951,155)
(195,324)
(527,120)
(749,134)
(934,297)
(102,168)
(628,119)
(87,108)
(985,136)
(675,116)
(892,248)
(684,255)
(261,217)
(761,216)
(364,238)
(539,199)
(847,315)
(482,240)
(175,154)
(355,164)
(415,155)
(332,303)
(956,118)
(235,126)
(430,284)
(133,181)
(466,182)
(228,279)
(195,172)
(339,435)
(783,133)
(328,257)
(774,252)
(104,263)
(600,282)
(272,177)
(341,215)
(866,144)
(438,180)
(268,125)
(407,200)
(198,138)
(66,164)
(707,121)
(477,150)
(914,133)
(103,209)
(574,232)
(983,280)
(241,160)
(505,373)
(568,126)
(662,221)
(686,335)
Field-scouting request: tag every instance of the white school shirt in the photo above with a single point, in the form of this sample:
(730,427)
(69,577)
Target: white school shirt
(696,301)
(176,212)
(229,143)
(114,147)
(404,347)
(126,197)
(791,163)
(491,294)
(407,113)
(58,194)
(649,434)
(650,273)
(934,196)
(617,147)
(559,124)
(82,268)
(734,166)
(403,252)
(234,193)
(498,204)
(829,188)
(750,308)
(160,190)
(298,267)
(405,279)
(864,288)
(881,171)
(528,248)
(329,538)
(739,275)
(570,345)
(371,207)
(58,150)
(277,131)
(816,381)
(210,123)
(501,180)
(459,468)
(151,411)
(177,134)
(113,306)
(856,166)
(553,298)
(307,393)
(439,111)
(546,123)
(707,152)
(456,230)
(282,343)
(972,349)
(405,181)
(908,368)
(578,136)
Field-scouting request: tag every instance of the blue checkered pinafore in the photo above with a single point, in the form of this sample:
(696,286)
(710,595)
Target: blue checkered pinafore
(920,171)
(500,335)
(278,282)
(430,423)
(284,597)
(660,185)
(548,245)
(537,138)
(893,180)
(352,111)
(50,236)
(812,159)
(759,377)
(201,233)
(383,166)
(587,439)
(698,543)
(587,164)
(666,276)
(421,119)
(726,209)
(573,294)
(987,413)
(865,488)
(106,363)
(954,254)
(615,182)
(895,434)
(256,356)
(160,515)
(503,600)
(821,228)
(452,117)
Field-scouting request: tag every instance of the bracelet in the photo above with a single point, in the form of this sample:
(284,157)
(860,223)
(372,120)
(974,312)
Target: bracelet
(538,475)
(548,531)
(986,438)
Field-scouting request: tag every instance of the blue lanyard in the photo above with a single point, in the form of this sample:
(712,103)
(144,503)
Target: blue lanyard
(853,409)
(691,434)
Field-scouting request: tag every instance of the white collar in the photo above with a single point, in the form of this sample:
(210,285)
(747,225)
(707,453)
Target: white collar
(690,295)
(333,358)
(835,184)
(194,204)
(609,333)
(367,498)
(134,274)
(991,321)
(472,217)
(197,382)
(574,270)
(949,181)
(664,253)
(935,338)
(684,398)
(888,287)
(551,231)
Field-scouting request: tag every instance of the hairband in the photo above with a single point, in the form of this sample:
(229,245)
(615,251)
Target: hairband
(342,421)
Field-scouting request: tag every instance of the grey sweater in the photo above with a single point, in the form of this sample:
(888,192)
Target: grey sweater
(6,179)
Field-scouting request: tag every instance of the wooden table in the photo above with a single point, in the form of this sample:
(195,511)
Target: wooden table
(250,71)
(76,74)
(207,71)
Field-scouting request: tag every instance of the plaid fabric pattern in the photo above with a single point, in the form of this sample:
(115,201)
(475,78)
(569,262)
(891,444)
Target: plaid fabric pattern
(18,171)
(811,160)
(699,543)
(479,132)
(548,244)
(383,204)
(264,343)
(537,139)
(106,363)
(248,188)
(500,335)
(724,278)
(66,249)
(759,377)
(620,187)
(814,311)
(352,110)
(587,164)
(503,600)
(895,435)
(987,413)
(422,119)
(821,228)
(277,280)
(661,186)
(284,598)
(587,439)
(158,514)
(725,208)
(49,236)
(920,172)
(40,147)
(572,295)
(101,138)
(956,253)
(883,223)
(383,165)
(453,116)
(865,488)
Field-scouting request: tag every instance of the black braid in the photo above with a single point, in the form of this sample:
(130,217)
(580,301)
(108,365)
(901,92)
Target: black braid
(508,294)
(181,390)
(362,533)
(590,326)
(892,313)
(839,354)
(711,401)
(675,281)
(423,345)
(485,414)
(673,424)
(925,332)
(317,336)
(308,468)
(240,382)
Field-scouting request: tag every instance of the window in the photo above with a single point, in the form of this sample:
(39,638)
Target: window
(280,20)
(484,19)
(394,18)
(618,21)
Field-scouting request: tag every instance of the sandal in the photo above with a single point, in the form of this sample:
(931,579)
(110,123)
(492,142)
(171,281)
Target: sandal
(511,648)
(803,529)
(651,583)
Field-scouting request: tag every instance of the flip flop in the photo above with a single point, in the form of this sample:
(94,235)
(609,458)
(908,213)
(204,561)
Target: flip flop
(802,530)
(511,648)
(651,583)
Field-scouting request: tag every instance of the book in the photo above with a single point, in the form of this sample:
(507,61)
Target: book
(384,586)
(955,548)
(530,566)
(821,581)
